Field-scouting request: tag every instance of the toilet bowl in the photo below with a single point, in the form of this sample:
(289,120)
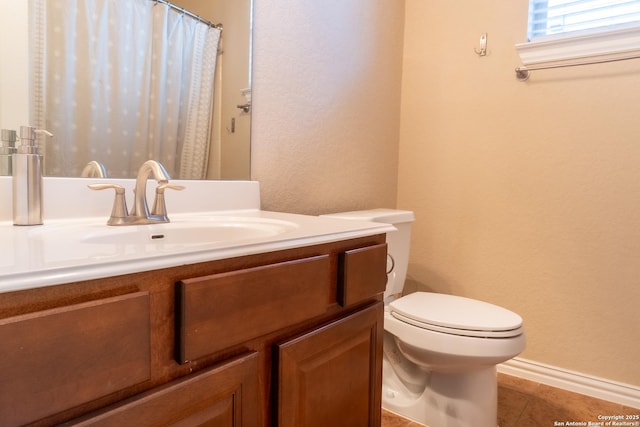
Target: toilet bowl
(440,351)
(456,358)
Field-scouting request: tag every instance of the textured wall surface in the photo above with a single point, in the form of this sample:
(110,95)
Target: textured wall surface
(527,194)
(326,87)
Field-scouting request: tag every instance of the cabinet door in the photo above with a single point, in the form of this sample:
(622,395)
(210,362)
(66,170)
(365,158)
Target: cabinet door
(222,396)
(332,375)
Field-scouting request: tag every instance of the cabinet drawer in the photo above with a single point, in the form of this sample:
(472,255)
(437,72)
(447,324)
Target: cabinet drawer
(362,274)
(222,310)
(224,395)
(56,359)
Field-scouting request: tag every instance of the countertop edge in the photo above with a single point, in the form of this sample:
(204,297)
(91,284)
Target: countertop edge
(32,280)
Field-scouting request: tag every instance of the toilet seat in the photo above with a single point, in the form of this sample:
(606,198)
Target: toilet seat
(456,315)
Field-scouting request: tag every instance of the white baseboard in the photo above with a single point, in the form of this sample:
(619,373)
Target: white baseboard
(600,388)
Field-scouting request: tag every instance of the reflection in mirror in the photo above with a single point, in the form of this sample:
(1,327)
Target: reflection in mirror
(121,82)
(7,150)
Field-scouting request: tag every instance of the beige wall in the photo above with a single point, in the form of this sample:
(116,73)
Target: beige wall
(526,195)
(326,89)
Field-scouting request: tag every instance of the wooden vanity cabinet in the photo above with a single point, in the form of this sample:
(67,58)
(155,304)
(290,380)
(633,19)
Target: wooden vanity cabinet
(285,338)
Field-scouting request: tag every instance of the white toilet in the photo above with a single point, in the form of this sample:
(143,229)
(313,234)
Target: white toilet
(440,351)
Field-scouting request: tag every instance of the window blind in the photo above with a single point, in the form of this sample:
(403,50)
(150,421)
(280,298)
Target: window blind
(561,16)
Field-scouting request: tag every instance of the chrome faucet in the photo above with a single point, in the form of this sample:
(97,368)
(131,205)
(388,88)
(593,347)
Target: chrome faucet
(160,174)
(94,169)
(140,212)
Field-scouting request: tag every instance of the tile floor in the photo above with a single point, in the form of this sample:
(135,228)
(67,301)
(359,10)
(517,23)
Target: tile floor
(523,403)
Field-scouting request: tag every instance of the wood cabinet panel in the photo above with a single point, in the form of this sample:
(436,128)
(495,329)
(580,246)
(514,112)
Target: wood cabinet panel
(222,310)
(361,274)
(222,396)
(56,359)
(332,375)
(105,349)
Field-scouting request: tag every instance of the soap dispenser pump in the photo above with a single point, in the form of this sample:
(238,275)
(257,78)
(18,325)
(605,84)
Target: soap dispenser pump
(27,179)
(7,149)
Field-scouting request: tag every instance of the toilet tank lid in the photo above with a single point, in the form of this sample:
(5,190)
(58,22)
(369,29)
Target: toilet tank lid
(389,216)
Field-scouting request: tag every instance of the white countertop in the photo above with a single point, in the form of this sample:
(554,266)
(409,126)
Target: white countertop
(48,254)
(75,244)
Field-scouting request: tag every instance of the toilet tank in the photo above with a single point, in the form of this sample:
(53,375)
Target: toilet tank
(398,242)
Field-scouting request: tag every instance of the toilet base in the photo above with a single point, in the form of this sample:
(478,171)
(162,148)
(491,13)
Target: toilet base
(468,399)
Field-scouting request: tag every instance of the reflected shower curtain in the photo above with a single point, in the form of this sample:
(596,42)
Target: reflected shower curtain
(122,82)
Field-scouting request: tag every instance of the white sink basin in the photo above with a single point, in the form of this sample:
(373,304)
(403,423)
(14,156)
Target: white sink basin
(182,233)
(189,233)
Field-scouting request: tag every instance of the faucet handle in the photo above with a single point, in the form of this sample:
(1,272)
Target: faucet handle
(160,188)
(119,210)
(159,205)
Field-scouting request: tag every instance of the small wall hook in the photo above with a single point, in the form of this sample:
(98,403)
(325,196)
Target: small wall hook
(483,46)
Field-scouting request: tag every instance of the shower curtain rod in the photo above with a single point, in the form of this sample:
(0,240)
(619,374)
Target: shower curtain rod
(522,73)
(189,14)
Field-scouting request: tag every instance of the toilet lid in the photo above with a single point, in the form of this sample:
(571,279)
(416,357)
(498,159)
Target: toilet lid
(456,315)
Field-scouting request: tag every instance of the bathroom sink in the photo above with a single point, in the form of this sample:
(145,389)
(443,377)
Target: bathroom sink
(187,233)
(181,233)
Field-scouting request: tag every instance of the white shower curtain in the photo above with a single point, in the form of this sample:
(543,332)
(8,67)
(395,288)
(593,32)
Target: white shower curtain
(122,82)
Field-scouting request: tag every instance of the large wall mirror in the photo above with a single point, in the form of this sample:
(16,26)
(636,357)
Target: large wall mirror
(119,90)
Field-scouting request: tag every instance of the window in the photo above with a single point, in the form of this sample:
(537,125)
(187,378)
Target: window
(562,16)
(567,32)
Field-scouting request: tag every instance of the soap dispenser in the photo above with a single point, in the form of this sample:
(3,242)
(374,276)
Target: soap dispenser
(27,179)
